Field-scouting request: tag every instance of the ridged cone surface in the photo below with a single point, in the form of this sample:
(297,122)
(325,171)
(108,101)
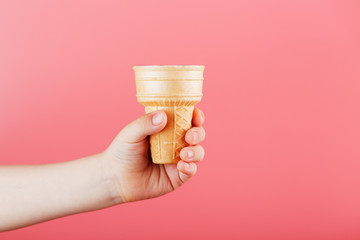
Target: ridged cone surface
(166,146)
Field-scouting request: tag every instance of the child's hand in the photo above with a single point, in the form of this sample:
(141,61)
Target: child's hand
(124,172)
(128,164)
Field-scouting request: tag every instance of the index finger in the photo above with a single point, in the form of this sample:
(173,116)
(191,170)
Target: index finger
(198,117)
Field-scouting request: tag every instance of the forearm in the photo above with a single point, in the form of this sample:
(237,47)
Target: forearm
(33,194)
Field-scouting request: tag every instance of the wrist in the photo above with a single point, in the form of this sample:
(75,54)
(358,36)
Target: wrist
(109,180)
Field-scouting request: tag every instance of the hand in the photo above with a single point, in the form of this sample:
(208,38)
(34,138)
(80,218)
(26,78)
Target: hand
(127,161)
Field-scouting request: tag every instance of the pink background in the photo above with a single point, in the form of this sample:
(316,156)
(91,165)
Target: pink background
(281,97)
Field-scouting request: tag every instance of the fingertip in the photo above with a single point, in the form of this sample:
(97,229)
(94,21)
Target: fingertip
(178,165)
(192,169)
(181,166)
(139,129)
(192,137)
(158,118)
(188,154)
(202,116)
(195,135)
(198,117)
(183,154)
(187,168)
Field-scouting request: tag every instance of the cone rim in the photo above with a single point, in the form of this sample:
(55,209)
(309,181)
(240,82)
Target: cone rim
(169,68)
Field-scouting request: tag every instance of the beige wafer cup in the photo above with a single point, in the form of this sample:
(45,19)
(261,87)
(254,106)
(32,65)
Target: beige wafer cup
(175,90)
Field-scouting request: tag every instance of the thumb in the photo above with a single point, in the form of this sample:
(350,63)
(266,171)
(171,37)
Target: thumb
(145,125)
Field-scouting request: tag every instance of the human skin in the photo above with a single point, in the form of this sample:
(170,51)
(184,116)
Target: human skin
(124,172)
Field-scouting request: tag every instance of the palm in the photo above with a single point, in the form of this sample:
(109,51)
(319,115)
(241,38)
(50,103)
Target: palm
(142,178)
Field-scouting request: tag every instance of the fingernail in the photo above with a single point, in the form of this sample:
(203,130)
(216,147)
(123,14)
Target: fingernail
(190,154)
(195,137)
(157,119)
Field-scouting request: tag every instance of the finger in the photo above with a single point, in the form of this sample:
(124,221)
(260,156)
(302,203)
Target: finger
(145,125)
(198,117)
(192,154)
(195,135)
(186,170)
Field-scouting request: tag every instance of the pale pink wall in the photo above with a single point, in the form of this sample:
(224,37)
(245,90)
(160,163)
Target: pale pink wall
(281,97)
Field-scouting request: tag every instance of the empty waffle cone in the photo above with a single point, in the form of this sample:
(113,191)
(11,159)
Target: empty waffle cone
(175,90)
